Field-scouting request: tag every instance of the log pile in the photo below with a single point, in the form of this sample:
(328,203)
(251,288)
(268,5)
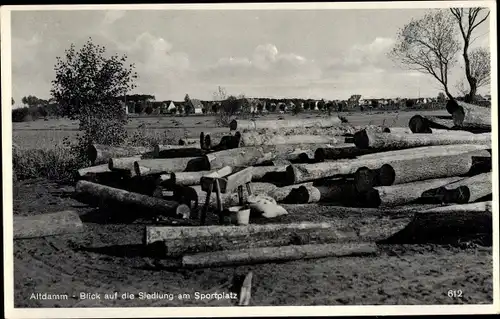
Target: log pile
(439,161)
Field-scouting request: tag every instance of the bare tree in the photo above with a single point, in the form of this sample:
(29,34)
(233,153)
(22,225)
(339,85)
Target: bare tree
(428,45)
(468,20)
(480,68)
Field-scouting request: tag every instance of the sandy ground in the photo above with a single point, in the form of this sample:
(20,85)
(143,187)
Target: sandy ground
(107,258)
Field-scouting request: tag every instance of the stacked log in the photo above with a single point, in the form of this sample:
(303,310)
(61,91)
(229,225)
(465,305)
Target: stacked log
(277,124)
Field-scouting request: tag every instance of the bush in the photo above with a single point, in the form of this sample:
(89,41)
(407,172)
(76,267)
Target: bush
(59,163)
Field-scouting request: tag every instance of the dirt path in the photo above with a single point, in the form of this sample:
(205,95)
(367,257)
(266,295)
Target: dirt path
(107,258)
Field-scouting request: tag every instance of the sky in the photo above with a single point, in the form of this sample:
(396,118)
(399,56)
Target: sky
(330,54)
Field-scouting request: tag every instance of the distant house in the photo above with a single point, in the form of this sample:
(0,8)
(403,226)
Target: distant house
(170,107)
(196,106)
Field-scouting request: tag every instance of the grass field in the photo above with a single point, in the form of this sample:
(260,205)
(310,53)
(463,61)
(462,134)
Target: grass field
(48,133)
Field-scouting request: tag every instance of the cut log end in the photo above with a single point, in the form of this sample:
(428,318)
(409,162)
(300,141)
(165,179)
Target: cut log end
(361,139)
(207,143)
(319,155)
(365,179)
(386,175)
(418,124)
(183,211)
(292,174)
(182,142)
(92,153)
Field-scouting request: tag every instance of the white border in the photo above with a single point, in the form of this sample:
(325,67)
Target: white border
(231,311)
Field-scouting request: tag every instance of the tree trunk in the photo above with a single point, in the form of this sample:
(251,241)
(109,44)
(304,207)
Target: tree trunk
(188,164)
(243,156)
(257,139)
(123,163)
(429,151)
(340,151)
(187,178)
(100,154)
(181,240)
(87,171)
(189,141)
(421,124)
(276,254)
(464,191)
(278,124)
(270,174)
(339,190)
(181,152)
(114,198)
(392,141)
(401,194)
(394,168)
(471,116)
(47,225)
(447,224)
(418,169)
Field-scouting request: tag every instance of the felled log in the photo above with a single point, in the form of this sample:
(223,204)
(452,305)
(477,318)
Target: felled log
(243,156)
(278,124)
(255,139)
(188,141)
(123,163)
(463,191)
(270,174)
(338,190)
(331,131)
(189,178)
(421,124)
(178,241)
(226,142)
(428,151)
(394,169)
(393,141)
(469,115)
(169,165)
(422,168)
(44,225)
(340,151)
(180,152)
(109,197)
(401,194)
(82,172)
(276,254)
(100,154)
(447,224)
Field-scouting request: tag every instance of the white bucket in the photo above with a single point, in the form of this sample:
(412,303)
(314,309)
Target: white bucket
(240,215)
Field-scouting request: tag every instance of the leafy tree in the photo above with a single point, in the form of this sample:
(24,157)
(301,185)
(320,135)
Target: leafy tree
(260,107)
(282,107)
(87,86)
(441,97)
(428,45)
(149,110)
(321,105)
(477,69)
(215,107)
(297,108)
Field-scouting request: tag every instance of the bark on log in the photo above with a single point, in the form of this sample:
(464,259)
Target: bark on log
(394,169)
(123,163)
(276,254)
(44,225)
(463,191)
(83,172)
(188,164)
(340,190)
(340,151)
(181,152)
(401,194)
(244,156)
(392,141)
(187,178)
(109,197)
(418,169)
(177,241)
(256,139)
(100,154)
(278,124)
(331,131)
(447,224)
(469,115)
(428,151)
(270,174)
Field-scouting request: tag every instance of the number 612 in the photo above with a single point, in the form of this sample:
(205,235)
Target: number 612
(455,293)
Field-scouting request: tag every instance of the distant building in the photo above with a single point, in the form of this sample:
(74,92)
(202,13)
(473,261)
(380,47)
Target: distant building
(196,106)
(170,107)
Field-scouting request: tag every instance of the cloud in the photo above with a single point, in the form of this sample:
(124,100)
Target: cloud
(113,15)
(365,57)
(264,65)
